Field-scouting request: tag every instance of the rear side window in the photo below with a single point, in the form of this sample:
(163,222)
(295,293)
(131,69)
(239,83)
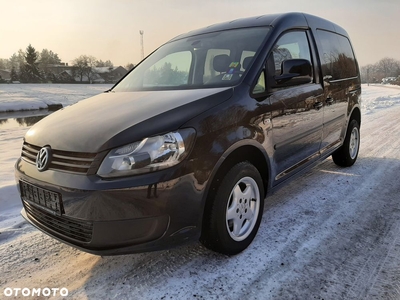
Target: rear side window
(337,57)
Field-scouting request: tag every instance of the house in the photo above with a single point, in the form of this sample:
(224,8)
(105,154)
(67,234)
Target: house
(71,76)
(65,73)
(65,76)
(57,69)
(111,74)
(5,75)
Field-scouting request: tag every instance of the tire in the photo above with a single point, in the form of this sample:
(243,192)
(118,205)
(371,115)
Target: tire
(347,154)
(234,215)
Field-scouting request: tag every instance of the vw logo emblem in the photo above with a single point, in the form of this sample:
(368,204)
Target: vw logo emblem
(43,158)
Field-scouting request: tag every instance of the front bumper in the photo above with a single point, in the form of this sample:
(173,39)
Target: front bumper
(140,214)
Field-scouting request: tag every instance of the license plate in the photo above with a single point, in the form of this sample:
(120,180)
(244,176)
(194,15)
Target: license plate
(45,199)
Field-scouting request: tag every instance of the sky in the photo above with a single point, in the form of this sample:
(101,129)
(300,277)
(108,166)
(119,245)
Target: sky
(109,30)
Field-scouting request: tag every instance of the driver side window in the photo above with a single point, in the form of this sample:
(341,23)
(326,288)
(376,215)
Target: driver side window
(290,46)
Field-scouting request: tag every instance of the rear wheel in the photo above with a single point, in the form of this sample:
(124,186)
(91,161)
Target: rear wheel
(236,210)
(346,155)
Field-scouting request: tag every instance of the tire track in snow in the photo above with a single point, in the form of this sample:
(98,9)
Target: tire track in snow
(386,281)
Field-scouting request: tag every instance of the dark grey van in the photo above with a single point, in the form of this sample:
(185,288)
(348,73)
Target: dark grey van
(189,143)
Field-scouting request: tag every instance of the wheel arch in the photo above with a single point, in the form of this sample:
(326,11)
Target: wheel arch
(356,115)
(245,150)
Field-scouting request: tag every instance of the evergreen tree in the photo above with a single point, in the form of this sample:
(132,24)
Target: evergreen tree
(31,55)
(21,58)
(47,58)
(14,75)
(29,72)
(3,64)
(17,60)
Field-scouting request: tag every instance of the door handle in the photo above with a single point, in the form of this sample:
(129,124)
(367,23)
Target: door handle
(318,105)
(329,100)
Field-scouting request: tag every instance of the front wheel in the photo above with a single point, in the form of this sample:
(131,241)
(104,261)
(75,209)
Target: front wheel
(346,155)
(236,210)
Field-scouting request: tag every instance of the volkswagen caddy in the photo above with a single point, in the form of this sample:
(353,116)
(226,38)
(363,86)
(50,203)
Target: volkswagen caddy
(190,142)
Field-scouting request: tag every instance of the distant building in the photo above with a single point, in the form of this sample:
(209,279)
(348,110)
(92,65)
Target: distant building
(5,75)
(57,69)
(65,76)
(111,74)
(65,73)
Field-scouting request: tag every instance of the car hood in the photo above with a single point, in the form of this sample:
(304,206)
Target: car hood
(115,118)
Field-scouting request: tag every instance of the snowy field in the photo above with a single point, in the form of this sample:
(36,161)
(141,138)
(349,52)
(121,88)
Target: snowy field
(332,234)
(15,97)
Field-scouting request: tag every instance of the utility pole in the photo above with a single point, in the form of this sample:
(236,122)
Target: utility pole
(141,42)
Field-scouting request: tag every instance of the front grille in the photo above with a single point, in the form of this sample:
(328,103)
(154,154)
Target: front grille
(76,162)
(75,229)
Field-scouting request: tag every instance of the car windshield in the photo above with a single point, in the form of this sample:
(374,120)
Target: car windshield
(215,59)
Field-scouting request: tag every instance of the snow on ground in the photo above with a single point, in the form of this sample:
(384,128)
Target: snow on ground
(334,233)
(375,98)
(14,97)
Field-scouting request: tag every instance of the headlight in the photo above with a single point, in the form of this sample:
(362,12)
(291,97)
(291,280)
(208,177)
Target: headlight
(150,154)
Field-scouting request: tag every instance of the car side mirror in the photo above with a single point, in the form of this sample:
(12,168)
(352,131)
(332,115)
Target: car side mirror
(294,72)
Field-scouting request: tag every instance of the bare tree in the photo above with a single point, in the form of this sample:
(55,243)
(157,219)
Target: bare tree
(84,66)
(107,63)
(388,66)
(129,66)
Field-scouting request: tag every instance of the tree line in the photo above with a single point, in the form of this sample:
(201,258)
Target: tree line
(387,68)
(31,66)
